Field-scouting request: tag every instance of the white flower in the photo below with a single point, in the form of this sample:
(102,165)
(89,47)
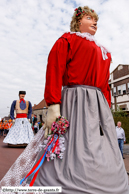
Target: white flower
(61,139)
(62,147)
(61,155)
(52,156)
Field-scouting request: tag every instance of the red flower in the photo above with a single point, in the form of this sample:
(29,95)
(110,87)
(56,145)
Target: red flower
(76,9)
(92,10)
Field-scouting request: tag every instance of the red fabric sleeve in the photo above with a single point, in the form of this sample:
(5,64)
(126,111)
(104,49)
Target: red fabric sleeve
(55,70)
(107,93)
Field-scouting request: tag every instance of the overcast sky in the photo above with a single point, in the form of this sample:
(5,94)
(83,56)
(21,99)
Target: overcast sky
(28,30)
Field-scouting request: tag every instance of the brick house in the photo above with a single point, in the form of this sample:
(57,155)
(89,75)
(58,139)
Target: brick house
(119,84)
(40,110)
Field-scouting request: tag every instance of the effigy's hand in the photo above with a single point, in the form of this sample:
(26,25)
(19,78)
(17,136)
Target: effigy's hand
(52,114)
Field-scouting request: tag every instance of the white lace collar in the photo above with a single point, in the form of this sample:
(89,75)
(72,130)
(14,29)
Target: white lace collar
(92,38)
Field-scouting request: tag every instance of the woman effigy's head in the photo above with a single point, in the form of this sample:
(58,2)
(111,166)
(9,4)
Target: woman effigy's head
(84,20)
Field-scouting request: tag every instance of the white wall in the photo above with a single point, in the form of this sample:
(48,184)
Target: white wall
(122,98)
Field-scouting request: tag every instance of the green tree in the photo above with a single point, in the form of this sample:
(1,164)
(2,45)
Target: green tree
(119,112)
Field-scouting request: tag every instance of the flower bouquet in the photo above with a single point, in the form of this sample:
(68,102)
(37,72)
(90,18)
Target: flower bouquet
(53,146)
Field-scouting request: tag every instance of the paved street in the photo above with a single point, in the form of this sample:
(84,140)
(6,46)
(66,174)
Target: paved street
(126,156)
(9,155)
(126,149)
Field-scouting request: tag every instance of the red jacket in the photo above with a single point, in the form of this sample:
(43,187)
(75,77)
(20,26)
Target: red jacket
(74,60)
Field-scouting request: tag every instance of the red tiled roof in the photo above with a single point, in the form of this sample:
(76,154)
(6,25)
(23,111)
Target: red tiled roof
(41,105)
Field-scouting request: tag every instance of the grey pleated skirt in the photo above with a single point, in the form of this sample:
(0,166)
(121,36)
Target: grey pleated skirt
(92,162)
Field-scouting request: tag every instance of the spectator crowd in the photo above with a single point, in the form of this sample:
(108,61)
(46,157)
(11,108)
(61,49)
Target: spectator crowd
(5,126)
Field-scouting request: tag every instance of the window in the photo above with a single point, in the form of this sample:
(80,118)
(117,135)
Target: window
(114,91)
(120,67)
(128,87)
(124,88)
(123,107)
(119,90)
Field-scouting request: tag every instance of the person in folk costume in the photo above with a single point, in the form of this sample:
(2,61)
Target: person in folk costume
(20,134)
(92,162)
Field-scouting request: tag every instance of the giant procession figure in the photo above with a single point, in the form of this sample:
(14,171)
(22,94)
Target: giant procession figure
(21,133)
(92,162)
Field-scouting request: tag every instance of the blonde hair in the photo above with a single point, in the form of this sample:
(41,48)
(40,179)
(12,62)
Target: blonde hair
(74,26)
